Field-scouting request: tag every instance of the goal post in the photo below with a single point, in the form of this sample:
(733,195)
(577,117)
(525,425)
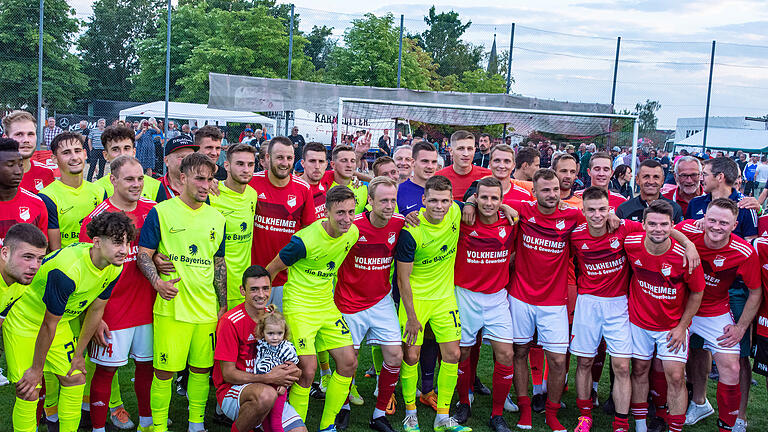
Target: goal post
(523,120)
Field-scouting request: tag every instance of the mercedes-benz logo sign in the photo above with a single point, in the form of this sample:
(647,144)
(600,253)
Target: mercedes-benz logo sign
(64,123)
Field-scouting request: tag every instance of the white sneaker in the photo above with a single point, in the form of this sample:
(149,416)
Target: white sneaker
(3,379)
(698,412)
(510,406)
(739,426)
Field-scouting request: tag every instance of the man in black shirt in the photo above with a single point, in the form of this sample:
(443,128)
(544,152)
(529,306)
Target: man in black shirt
(483,153)
(298,143)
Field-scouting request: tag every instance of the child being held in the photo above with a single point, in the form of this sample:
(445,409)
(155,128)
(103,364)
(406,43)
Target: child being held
(272,350)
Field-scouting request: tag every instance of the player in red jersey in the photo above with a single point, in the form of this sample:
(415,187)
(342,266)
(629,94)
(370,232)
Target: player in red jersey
(246,397)
(664,296)
(126,329)
(502,164)
(725,257)
(315,161)
(482,272)
(462,173)
(17,205)
(285,205)
(22,127)
(362,292)
(600,172)
(538,301)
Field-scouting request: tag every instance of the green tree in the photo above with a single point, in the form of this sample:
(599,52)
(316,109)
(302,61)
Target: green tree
(443,40)
(108,46)
(319,45)
(63,80)
(647,115)
(480,81)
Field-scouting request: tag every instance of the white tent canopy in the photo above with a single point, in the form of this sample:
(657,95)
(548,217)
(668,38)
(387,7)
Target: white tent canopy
(728,139)
(198,112)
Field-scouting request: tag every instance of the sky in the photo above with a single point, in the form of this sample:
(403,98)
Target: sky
(564,49)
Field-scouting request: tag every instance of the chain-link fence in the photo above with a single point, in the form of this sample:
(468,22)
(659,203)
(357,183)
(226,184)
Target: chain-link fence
(114,57)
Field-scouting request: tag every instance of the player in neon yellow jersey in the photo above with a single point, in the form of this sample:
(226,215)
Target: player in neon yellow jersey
(237,203)
(118,141)
(191,234)
(344,161)
(312,258)
(21,254)
(70,280)
(71,198)
(425,256)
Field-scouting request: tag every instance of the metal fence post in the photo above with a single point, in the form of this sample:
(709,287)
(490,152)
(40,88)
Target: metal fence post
(709,96)
(509,71)
(613,90)
(400,53)
(290,62)
(40,119)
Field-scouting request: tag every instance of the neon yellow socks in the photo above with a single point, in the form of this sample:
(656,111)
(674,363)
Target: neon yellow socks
(446,382)
(160,401)
(335,397)
(24,415)
(197,393)
(70,403)
(409,377)
(299,400)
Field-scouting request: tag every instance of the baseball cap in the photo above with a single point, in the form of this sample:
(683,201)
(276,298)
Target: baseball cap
(248,130)
(702,156)
(179,142)
(616,148)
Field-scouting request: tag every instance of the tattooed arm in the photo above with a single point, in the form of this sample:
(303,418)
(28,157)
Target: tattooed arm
(220,282)
(166,289)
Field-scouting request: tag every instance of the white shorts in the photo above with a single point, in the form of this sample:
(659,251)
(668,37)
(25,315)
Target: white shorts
(551,322)
(486,312)
(600,317)
(711,328)
(644,341)
(276,297)
(230,406)
(378,324)
(135,342)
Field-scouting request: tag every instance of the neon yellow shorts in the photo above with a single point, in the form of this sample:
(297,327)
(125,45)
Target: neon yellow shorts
(312,331)
(20,350)
(179,343)
(442,315)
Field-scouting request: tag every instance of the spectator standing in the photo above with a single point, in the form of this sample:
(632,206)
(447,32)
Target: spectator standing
(385,143)
(742,162)
(96,150)
(82,129)
(400,140)
(584,161)
(298,143)
(173,130)
(749,175)
(483,153)
(50,131)
(185,130)
(761,175)
(145,147)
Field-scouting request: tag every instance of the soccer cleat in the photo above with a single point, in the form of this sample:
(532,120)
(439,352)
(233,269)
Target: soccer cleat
(316,392)
(449,424)
(462,413)
(538,402)
(331,428)
(342,419)
(85,420)
(411,423)
(739,426)
(354,396)
(121,419)
(3,379)
(498,424)
(324,382)
(53,426)
(429,399)
(370,373)
(510,406)
(608,407)
(595,402)
(481,388)
(585,425)
(391,405)
(698,412)
(656,424)
(381,424)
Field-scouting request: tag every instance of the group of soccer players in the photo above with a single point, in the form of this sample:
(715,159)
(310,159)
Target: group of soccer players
(425,264)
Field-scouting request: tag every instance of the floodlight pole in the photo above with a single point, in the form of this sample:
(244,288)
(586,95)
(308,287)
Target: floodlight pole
(338,122)
(709,96)
(167,75)
(509,71)
(400,52)
(290,58)
(40,119)
(613,87)
(635,136)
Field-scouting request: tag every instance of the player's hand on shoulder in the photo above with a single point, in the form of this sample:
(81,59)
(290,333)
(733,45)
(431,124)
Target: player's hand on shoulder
(167,289)
(748,202)
(468,214)
(163,264)
(614,222)
(511,214)
(215,187)
(691,258)
(412,219)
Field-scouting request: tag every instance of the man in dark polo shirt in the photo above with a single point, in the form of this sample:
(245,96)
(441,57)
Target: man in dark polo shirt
(650,178)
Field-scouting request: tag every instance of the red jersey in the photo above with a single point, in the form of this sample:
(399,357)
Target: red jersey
(614,199)
(483,254)
(762,226)
(365,275)
(721,268)
(25,207)
(235,342)
(603,269)
(761,244)
(280,213)
(673,194)
(517,193)
(318,197)
(38,177)
(133,297)
(542,244)
(659,290)
(462,182)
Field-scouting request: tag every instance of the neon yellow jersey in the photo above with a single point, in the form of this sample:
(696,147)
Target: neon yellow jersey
(314,257)
(68,206)
(361,195)
(66,284)
(239,210)
(191,239)
(9,294)
(432,250)
(151,186)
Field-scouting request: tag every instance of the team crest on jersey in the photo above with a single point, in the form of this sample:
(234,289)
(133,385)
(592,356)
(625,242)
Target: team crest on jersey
(444,248)
(82,304)
(291,201)
(718,261)
(302,343)
(391,238)
(24,213)
(193,249)
(666,269)
(243,226)
(39,184)
(502,232)
(331,265)
(560,224)
(163,358)
(615,243)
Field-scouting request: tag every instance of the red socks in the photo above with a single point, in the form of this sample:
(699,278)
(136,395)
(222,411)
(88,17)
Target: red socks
(550,414)
(524,402)
(502,382)
(387,382)
(474,358)
(101,387)
(658,382)
(536,358)
(234,428)
(728,399)
(274,420)
(676,422)
(463,384)
(585,407)
(142,384)
(639,410)
(621,422)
